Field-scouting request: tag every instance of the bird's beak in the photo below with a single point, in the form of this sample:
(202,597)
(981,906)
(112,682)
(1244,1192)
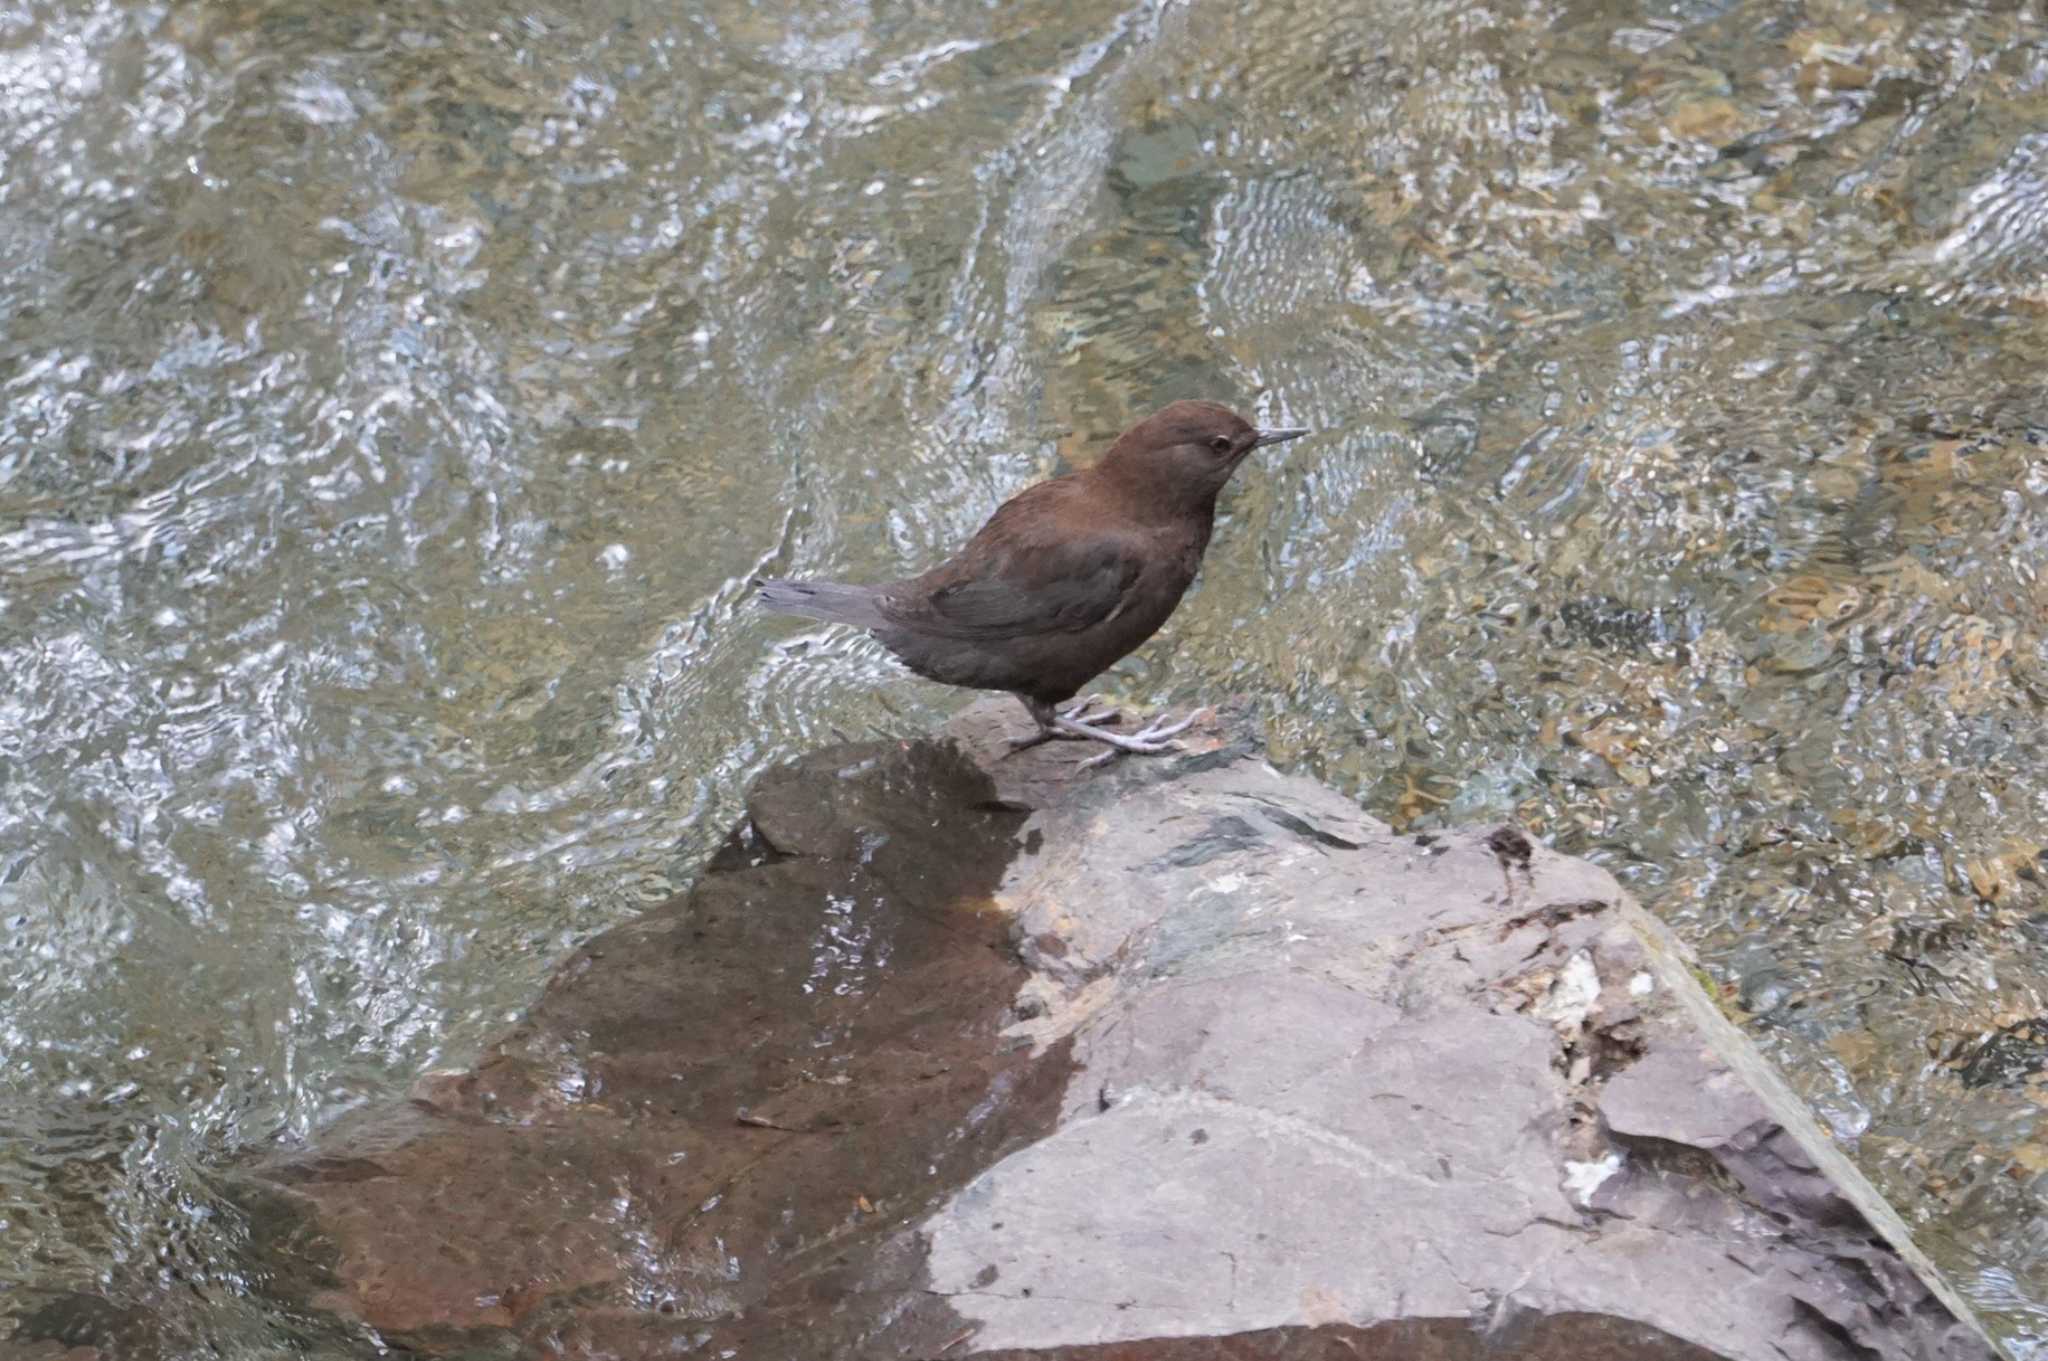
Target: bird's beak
(1279,435)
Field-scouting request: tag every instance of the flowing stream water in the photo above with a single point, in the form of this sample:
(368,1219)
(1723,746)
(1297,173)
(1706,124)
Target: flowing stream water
(398,398)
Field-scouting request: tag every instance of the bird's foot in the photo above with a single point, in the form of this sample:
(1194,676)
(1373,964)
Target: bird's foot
(1151,740)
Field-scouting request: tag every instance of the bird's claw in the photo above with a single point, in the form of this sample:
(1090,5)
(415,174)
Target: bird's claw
(1079,713)
(1152,740)
(1147,749)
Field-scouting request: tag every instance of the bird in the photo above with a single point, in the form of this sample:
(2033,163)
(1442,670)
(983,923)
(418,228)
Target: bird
(1065,579)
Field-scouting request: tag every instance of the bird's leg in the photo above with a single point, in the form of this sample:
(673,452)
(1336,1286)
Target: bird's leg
(1077,724)
(1052,723)
(1152,740)
(1045,716)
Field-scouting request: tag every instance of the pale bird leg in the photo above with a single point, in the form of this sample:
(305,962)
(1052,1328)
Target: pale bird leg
(1050,720)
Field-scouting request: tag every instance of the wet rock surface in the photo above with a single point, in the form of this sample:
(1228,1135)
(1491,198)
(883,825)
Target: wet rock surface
(719,1118)
(958,1053)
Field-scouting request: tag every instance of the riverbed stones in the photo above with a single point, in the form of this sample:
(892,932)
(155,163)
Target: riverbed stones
(956,1053)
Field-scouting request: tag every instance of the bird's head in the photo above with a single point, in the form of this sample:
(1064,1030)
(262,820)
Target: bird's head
(1182,454)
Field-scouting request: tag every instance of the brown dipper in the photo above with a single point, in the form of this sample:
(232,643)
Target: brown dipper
(1065,578)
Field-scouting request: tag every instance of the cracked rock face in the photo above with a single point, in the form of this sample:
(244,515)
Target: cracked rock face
(952,1054)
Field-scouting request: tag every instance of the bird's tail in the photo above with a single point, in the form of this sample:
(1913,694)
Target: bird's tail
(830,600)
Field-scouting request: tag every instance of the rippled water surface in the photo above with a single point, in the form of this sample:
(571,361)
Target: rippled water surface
(398,397)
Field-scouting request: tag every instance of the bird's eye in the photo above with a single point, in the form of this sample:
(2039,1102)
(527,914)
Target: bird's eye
(1221,444)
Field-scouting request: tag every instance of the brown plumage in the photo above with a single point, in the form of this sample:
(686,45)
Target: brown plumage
(1066,577)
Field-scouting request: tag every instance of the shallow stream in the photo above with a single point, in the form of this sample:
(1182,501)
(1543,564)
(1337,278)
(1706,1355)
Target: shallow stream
(395,400)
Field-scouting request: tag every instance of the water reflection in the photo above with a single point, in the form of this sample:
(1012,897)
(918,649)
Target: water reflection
(398,399)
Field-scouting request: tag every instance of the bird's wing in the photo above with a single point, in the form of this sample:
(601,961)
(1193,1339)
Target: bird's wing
(1055,585)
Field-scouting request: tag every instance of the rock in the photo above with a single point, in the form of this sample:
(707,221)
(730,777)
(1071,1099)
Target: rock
(61,1325)
(955,1053)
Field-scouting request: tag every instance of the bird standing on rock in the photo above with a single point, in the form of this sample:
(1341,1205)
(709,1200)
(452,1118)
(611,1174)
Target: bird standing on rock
(1066,577)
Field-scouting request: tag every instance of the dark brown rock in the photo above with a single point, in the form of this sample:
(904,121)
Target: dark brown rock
(715,1109)
(64,1325)
(1566,1337)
